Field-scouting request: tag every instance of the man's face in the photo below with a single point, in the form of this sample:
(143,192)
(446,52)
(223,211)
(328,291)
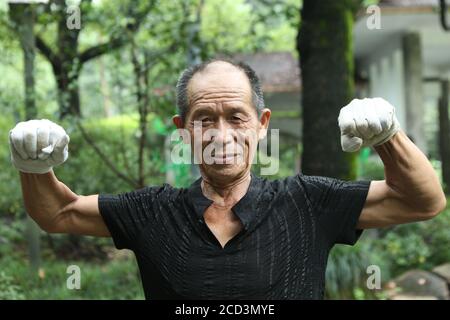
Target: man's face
(222,121)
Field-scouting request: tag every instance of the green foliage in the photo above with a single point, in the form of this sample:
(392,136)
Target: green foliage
(352,160)
(407,251)
(247,26)
(11,233)
(417,245)
(9,290)
(10,190)
(371,169)
(422,245)
(346,270)
(117,137)
(116,279)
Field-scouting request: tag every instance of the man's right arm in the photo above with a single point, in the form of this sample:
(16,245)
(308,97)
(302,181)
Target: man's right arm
(36,147)
(57,209)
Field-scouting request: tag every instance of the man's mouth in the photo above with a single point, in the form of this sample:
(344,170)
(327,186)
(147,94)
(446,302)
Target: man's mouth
(225,158)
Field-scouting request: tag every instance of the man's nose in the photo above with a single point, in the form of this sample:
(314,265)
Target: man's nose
(224,133)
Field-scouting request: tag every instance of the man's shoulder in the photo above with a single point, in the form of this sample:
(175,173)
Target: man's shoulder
(300,183)
(318,185)
(299,180)
(164,192)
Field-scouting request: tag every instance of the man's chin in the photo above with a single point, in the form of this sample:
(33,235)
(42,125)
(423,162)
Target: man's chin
(224,172)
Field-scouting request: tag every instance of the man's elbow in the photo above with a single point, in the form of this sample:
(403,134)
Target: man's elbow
(49,226)
(435,207)
(52,221)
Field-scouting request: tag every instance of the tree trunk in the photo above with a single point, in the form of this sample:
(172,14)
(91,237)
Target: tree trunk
(326,57)
(444,134)
(68,67)
(22,15)
(68,92)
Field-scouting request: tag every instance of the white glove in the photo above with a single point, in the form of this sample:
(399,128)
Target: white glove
(38,145)
(366,123)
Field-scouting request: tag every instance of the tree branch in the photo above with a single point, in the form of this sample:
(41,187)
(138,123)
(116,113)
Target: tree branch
(47,51)
(117,41)
(104,158)
(101,49)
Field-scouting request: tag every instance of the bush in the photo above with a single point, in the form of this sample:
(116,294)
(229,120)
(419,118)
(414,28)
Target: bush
(9,290)
(417,245)
(10,190)
(11,234)
(346,274)
(116,279)
(345,271)
(395,250)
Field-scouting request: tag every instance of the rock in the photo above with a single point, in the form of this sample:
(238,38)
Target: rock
(418,284)
(444,271)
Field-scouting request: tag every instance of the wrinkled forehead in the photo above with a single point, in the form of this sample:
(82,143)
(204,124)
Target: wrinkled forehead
(219,81)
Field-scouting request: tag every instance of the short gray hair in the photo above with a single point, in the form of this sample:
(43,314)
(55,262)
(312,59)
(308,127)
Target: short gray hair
(188,73)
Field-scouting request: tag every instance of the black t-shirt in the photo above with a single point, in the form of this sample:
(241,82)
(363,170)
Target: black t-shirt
(290,225)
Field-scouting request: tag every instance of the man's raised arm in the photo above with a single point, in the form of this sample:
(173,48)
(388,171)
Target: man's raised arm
(36,147)
(411,190)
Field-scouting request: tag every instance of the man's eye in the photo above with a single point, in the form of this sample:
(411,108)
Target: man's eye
(236,118)
(206,120)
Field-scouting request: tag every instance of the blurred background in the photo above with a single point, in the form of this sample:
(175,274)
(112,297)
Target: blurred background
(106,71)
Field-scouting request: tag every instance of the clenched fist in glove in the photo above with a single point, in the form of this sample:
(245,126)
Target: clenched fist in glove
(38,145)
(366,123)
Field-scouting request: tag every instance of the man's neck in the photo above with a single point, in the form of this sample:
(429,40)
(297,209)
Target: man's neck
(226,194)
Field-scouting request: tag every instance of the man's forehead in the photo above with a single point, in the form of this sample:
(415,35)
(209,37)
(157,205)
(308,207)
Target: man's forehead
(219,78)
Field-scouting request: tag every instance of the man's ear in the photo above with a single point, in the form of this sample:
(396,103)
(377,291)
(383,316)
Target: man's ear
(182,131)
(264,123)
(177,121)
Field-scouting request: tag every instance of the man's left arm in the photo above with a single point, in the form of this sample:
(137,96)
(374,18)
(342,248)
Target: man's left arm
(411,190)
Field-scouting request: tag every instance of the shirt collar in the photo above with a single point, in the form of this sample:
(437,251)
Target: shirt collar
(247,208)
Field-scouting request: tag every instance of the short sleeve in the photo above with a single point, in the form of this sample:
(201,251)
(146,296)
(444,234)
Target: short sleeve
(338,205)
(126,214)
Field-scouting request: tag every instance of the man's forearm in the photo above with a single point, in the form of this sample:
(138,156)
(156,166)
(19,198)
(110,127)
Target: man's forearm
(44,197)
(409,173)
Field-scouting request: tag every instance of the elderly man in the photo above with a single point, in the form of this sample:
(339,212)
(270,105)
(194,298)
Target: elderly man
(232,234)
